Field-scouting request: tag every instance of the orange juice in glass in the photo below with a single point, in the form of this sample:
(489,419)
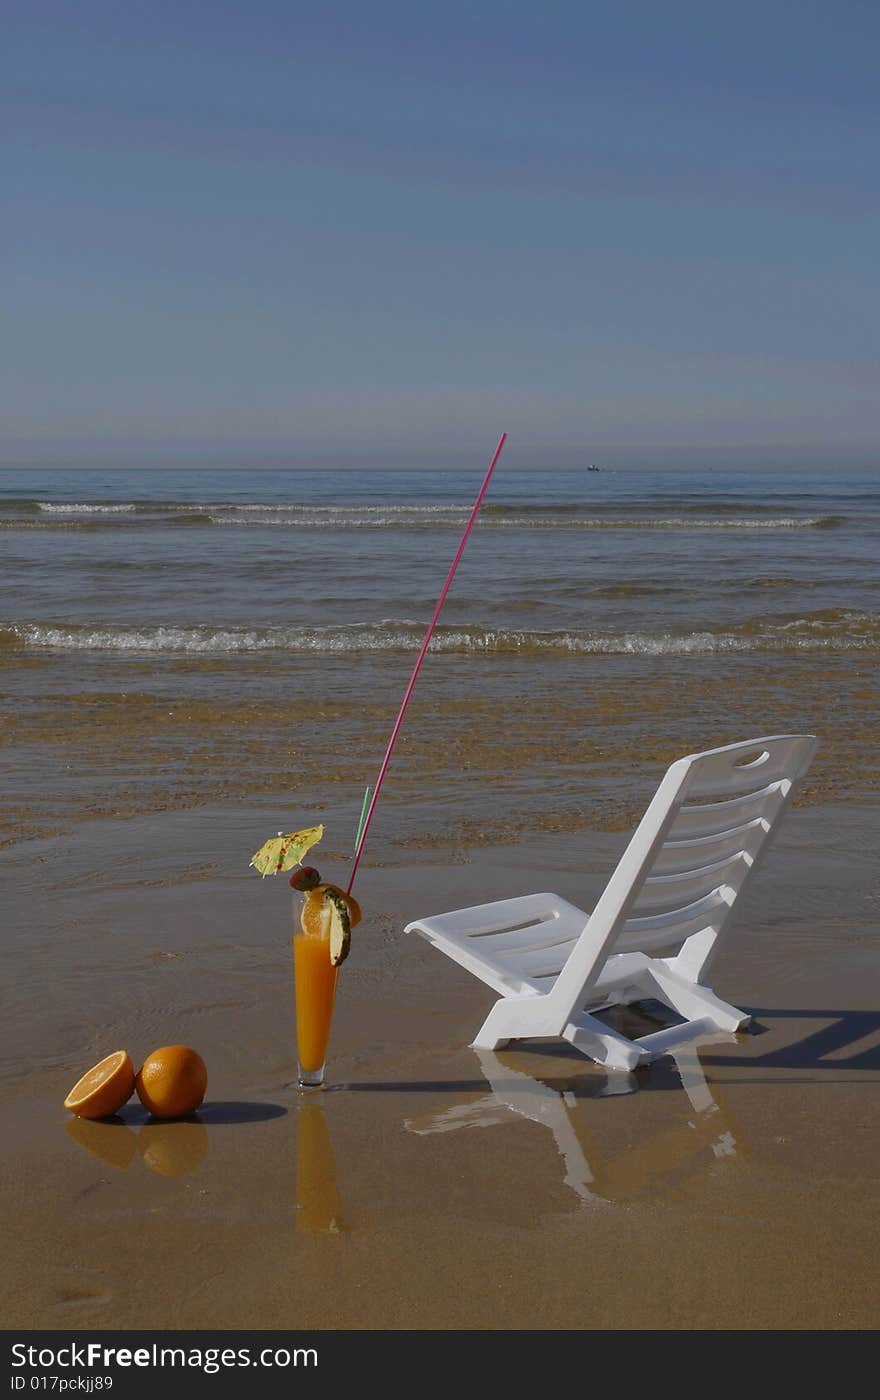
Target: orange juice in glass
(315,987)
(321,940)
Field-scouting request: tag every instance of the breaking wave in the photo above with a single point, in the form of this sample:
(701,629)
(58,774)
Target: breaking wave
(25,513)
(85,508)
(830,629)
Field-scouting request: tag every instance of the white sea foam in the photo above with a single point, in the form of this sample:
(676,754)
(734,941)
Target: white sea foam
(844,631)
(140,639)
(385,517)
(308,510)
(392,515)
(85,508)
(340,517)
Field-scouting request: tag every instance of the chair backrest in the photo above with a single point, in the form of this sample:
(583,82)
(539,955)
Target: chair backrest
(703,834)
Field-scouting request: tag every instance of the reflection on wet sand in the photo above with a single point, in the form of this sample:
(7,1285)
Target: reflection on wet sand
(592,1170)
(170,1149)
(173,1149)
(318,1203)
(110,1140)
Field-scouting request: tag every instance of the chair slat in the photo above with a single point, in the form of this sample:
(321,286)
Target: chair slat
(679,857)
(674,926)
(501,916)
(716,817)
(540,962)
(672,891)
(536,935)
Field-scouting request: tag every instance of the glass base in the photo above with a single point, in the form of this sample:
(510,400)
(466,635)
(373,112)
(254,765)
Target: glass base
(310,1078)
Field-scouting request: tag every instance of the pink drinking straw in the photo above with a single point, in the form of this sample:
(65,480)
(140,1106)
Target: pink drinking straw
(420,658)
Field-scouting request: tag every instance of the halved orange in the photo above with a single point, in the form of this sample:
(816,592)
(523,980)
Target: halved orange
(326,914)
(104,1088)
(315,917)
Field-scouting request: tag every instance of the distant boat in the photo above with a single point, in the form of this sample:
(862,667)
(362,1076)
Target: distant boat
(593,468)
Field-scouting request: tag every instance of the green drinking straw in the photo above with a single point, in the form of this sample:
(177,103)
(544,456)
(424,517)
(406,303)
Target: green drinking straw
(363,817)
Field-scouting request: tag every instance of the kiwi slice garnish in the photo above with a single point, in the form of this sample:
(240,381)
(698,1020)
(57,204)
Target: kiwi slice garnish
(340,927)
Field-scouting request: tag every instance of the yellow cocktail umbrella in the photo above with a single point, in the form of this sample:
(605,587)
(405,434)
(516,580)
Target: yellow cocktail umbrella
(283,852)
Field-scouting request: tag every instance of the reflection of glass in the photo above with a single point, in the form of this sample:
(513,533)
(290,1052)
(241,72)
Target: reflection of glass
(590,1171)
(318,1205)
(172,1149)
(315,987)
(114,1143)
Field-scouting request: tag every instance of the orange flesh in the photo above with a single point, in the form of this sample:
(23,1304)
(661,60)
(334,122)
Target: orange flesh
(315,983)
(316,914)
(104,1088)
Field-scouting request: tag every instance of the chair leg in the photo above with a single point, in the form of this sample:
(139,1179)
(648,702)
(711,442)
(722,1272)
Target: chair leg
(499,1027)
(603,1044)
(514,1018)
(694,1001)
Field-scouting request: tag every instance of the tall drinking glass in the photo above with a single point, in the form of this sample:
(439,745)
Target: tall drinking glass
(315,987)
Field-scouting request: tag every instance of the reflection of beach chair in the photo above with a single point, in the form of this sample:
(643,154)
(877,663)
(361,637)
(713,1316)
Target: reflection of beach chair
(590,1171)
(674,888)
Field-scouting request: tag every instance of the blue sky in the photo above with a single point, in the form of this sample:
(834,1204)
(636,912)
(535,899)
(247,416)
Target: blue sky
(643,234)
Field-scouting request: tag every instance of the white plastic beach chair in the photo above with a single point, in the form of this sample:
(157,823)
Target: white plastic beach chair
(674,889)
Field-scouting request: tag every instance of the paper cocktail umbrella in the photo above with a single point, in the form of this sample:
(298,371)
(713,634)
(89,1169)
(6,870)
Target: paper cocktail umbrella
(284,852)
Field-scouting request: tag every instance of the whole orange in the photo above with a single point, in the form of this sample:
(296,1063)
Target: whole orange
(172,1081)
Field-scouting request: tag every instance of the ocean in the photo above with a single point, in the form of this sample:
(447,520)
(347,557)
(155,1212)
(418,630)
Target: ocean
(171,638)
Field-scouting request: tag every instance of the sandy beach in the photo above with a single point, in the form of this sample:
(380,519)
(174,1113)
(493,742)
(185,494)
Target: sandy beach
(428,1186)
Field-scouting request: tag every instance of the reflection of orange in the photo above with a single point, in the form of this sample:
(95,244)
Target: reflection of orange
(172,1081)
(104,1088)
(113,1143)
(172,1149)
(319,1208)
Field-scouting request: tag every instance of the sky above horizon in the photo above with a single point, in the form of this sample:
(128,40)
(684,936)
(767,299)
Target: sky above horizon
(642,234)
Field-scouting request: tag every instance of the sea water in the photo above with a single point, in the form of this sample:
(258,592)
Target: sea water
(174,637)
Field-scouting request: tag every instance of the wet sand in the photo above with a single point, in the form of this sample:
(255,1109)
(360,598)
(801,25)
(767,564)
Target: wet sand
(428,1186)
